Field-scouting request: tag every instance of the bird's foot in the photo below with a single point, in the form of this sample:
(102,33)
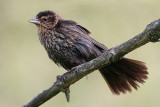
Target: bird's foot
(75,69)
(60,79)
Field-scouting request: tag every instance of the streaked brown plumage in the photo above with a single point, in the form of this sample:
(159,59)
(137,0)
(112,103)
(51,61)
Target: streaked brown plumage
(69,44)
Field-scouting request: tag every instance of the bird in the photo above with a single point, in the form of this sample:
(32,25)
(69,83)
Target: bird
(69,44)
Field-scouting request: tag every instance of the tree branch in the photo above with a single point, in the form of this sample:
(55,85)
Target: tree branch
(150,34)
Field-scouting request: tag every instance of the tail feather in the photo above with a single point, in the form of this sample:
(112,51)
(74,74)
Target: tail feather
(124,74)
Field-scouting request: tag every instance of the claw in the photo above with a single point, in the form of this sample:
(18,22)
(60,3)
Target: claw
(61,78)
(74,69)
(58,77)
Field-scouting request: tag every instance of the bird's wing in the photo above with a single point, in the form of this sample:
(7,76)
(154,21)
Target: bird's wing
(83,32)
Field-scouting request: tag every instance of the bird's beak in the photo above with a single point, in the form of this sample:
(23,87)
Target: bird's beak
(35,21)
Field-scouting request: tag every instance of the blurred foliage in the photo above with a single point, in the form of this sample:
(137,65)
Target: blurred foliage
(25,69)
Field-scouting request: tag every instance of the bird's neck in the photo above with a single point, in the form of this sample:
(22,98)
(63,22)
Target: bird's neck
(43,34)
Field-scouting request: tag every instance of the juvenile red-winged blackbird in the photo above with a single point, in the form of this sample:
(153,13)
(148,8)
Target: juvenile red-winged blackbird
(69,44)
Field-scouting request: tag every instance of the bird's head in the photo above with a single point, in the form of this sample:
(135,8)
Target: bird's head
(47,19)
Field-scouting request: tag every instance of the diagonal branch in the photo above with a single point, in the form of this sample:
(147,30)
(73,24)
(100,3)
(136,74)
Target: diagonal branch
(150,34)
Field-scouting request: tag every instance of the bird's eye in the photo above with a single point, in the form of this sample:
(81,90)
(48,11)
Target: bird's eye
(44,19)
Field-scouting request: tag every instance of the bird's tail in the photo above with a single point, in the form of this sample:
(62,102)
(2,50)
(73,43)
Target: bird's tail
(124,74)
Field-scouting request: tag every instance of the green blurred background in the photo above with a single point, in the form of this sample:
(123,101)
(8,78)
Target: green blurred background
(25,69)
